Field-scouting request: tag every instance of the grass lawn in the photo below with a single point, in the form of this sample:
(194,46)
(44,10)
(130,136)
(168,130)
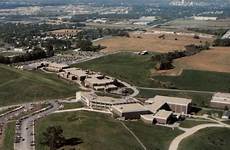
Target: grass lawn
(18,86)
(200,80)
(72,105)
(207,139)
(153,137)
(198,99)
(212,112)
(136,70)
(192,123)
(129,67)
(98,131)
(8,141)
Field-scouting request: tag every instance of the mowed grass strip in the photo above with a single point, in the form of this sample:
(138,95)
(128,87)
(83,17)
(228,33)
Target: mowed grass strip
(98,131)
(8,140)
(152,136)
(207,139)
(191,123)
(129,67)
(17,86)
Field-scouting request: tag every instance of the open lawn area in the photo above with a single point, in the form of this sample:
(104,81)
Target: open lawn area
(191,123)
(17,86)
(73,105)
(153,137)
(129,67)
(98,131)
(198,99)
(207,139)
(8,140)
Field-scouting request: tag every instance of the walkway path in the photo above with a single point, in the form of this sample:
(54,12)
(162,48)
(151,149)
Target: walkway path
(133,134)
(176,90)
(82,109)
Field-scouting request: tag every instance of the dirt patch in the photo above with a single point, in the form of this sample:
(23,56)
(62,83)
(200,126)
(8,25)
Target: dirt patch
(150,42)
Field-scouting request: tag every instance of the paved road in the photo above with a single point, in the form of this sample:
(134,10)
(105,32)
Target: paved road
(27,128)
(176,90)
(176,141)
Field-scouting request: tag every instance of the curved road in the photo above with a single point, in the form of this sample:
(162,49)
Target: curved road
(176,141)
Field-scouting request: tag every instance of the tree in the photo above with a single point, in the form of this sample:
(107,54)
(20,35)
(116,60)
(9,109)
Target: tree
(53,137)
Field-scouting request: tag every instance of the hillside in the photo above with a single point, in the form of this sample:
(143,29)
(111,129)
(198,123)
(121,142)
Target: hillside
(18,86)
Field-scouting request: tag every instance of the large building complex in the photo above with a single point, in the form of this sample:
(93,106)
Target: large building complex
(130,111)
(101,102)
(90,79)
(220,100)
(175,104)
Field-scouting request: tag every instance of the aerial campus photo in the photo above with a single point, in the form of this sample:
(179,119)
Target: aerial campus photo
(114,74)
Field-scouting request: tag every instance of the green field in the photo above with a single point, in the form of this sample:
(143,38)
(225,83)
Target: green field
(98,131)
(129,67)
(8,141)
(198,99)
(200,80)
(18,86)
(73,105)
(207,139)
(191,123)
(136,70)
(153,137)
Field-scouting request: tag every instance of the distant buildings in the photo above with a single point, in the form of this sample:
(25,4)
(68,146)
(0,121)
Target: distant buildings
(204,18)
(220,100)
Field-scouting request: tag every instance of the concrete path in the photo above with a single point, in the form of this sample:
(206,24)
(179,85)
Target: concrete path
(176,90)
(175,143)
(82,109)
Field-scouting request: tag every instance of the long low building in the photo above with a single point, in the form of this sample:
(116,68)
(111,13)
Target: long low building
(220,100)
(101,102)
(130,111)
(175,104)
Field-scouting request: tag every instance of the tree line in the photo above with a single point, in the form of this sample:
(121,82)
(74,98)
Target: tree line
(164,61)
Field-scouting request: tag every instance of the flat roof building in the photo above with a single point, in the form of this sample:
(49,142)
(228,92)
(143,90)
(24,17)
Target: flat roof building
(161,117)
(101,102)
(130,111)
(176,104)
(220,100)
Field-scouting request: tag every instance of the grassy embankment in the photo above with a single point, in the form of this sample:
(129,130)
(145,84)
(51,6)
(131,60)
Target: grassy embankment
(8,140)
(207,139)
(107,132)
(18,86)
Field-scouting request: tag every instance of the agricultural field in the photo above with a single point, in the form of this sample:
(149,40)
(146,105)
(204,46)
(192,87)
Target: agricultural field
(153,137)
(215,59)
(150,42)
(108,133)
(207,139)
(8,140)
(17,86)
(201,24)
(199,80)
